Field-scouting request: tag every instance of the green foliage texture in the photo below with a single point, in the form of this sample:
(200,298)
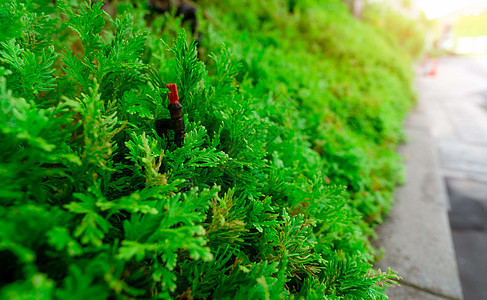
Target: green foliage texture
(293,111)
(399,29)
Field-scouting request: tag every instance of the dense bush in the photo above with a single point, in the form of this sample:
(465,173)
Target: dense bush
(293,111)
(399,29)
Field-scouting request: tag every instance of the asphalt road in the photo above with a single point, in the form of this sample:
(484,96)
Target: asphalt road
(455,100)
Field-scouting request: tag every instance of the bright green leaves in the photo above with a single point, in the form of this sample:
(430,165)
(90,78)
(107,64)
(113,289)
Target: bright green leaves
(141,106)
(87,23)
(189,69)
(351,278)
(33,147)
(93,226)
(195,158)
(99,127)
(226,226)
(96,162)
(12,238)
(203,277)
(19,116)
(60,238)
(80,284)
(32,72)
(113,61)
(11,54)
(147,155)
(256,281)
(127,46)
(11,15)
(97,204)
(75,69)
(226,70)
(22,242)
(160,237)
(292,240)
(28,22)
(36,286)
(131,249)
(137,202)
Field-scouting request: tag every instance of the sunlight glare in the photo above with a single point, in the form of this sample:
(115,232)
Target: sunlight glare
(438,8)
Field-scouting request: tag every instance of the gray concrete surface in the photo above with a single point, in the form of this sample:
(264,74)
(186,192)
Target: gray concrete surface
(466,243)
(456,104)
(468,220)
(450,121)
(416,236)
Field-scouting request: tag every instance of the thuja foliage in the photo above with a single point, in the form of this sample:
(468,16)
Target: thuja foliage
(292,110)
(398,28)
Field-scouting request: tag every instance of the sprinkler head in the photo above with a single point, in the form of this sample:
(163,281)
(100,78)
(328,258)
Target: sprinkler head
(173,95)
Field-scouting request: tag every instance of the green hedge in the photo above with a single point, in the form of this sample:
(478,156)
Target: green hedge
(292,120)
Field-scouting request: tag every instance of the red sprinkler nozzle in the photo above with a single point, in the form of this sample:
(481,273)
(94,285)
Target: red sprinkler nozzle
(173,95)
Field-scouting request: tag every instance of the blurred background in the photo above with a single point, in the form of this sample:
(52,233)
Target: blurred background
(451,83)
(456,27)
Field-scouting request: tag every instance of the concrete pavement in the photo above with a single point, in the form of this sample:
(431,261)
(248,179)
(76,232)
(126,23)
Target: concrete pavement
(446,163)
(416,236)
(462,151)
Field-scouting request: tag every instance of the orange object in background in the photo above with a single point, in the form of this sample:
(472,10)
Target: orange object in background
(434,68)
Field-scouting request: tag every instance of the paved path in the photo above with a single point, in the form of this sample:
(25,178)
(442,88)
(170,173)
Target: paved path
(416,236)
(446,162)
(456,103)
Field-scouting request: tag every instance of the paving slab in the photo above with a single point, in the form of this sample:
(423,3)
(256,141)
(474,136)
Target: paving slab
(455,102)
(468,219)
(468,204)
(468,118)
(416,236)
(459,174)
(469,188)
(470,246)
(461,156)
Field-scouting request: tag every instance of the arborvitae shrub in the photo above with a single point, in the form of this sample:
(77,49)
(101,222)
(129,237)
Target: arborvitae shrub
(291,118)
